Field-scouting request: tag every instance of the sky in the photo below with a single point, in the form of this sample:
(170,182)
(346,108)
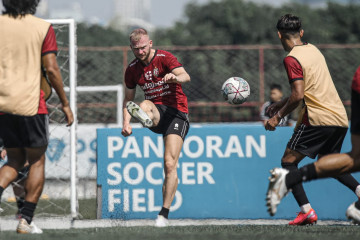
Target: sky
(163,13)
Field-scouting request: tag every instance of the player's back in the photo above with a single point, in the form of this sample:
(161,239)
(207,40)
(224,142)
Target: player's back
(20,64)
(323,103)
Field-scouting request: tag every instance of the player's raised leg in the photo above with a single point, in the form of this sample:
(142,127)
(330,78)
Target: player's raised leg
(173,145)
(143,113)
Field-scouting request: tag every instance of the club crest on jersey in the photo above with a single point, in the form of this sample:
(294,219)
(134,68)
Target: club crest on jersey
(156,72)
(148,76)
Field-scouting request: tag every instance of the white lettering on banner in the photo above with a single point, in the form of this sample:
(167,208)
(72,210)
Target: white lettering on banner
(131,146)
(211,146)
(233,146)
(203,171)
(148,173)
(111,170)
(139,198)
(157,148)
(261,150)
(114,144)
(200,145)
(186,173)
(151,202)
(112,199)
(139,170)
(126,201)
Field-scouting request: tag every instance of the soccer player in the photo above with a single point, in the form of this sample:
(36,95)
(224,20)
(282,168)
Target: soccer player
(276,95)
(281,180)
(322,122)
(164,110)
(27,43)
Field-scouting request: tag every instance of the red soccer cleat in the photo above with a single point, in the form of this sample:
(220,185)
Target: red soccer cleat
(305,218)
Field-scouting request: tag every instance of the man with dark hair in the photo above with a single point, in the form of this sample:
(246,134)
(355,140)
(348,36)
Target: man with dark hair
(319,130)
(275,96)
(27,44)
(332,165)
(164,110)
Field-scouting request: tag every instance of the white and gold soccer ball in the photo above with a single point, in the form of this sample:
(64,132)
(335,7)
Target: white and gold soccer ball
(235,90)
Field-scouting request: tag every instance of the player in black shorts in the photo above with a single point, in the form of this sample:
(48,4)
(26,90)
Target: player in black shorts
(164,110)
(333,165)
(322,123)
(28,44)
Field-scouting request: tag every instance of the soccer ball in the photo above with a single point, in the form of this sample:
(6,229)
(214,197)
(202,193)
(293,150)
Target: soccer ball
(235,90)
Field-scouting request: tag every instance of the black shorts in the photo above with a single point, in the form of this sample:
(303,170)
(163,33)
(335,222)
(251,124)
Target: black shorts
(355,112)
(172,121)
(311,140)
(20,131)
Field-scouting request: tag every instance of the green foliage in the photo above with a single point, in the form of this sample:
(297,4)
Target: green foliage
(230,22)
(95,35)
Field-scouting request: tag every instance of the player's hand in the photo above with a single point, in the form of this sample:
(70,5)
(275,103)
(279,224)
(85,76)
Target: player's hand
(3,154)
(273,108)
(272,123)
(68,114)
(170,78)
(126,130)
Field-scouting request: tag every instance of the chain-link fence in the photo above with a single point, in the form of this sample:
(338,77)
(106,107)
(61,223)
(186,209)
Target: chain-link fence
(209,67)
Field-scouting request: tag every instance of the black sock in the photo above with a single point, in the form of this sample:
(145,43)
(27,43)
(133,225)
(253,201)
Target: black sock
(308,172)
(164,212)
(349,181)
(297,189)
(357,204)
(1,191)
(20,203)
(27,212)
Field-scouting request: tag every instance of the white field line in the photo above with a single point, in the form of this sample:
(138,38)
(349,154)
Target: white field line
(67,223)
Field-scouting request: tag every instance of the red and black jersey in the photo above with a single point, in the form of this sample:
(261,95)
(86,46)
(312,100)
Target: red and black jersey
(49,46)
(295,72)
(149,78)
(356,81)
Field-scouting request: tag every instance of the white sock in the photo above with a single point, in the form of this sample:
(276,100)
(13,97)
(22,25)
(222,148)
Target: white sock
(357,191)
(305,208)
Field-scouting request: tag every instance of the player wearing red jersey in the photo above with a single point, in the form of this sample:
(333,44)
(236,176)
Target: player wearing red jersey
(164,110)
(319,131)
(27,43)
(329,166)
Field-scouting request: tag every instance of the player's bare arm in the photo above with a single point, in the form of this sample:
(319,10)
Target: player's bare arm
(275,107)
(129,96)
(178,75)
(297,95)
(53,72)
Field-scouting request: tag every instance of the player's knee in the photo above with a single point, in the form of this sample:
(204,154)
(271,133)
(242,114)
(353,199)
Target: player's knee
(170,166)
(289,166)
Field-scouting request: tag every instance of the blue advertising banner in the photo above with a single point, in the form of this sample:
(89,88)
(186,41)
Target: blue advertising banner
(223,173)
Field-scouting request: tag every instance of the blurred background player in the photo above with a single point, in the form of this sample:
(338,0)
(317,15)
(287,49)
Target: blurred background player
(276,95)
(164,110)
(27,43)
(331,165)
(322,123)
(18,187)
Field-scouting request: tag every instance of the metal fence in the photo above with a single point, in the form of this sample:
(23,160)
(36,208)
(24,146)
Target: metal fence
(209,67)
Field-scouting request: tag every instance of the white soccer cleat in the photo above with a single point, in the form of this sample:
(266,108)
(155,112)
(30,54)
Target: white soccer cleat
(161,221)
(136,112)
(36,229)
(277,189)
(25,228)
(353,213)
(1,210)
